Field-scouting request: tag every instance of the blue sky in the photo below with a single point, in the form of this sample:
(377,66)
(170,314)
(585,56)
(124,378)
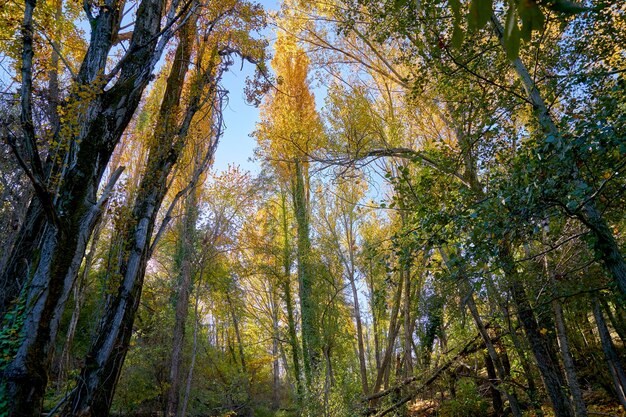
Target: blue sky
(236,146)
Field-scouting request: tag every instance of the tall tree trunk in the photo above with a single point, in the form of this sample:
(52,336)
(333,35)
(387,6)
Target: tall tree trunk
(308,311)
(612,359)
(64,357)
(618,325)
(391,337)
(286,287)
(187,229)
(407,342)
(94,394)
(65,225)
(568,360)
(375,329)
(328,379)
(564,346)
(275,349)
(194,352)
(493,359)
(493,355)
(348,223)
(544,357)
(359,328)
(494,382)
(247,409)
(533,394)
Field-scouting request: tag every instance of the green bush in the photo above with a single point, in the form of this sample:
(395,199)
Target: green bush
(468,402)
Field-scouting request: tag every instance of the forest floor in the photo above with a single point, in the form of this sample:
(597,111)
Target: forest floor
(597,405)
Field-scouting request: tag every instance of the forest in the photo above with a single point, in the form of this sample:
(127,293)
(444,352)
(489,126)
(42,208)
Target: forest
(435,224)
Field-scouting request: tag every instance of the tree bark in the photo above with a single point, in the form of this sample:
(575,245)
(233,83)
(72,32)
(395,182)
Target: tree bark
(610,354)
(493,356)
(194,352)
(310,337)
(546,361)
(618,325)
(391,338)
(286,288)
(66,224)
(94,394)
(564,346)
(494,382)
(275,348)
(187,229)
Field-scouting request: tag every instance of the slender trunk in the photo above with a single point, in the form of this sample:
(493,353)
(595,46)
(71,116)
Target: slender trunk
(275,352)
(494,359)
(327,380)
(564,346)
(64,358)
(493,355)
(494,382)
(247,410)
(544,357)
(373,309)
(194,352)
(618,325)
(359,333)
(391,338)
(610,354)
(308,312)
(532,392)
(185,278)
(568,360)
(408,328)
(286,284)
(349,263)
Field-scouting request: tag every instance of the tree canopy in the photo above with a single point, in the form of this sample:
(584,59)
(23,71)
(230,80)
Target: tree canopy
(435,226)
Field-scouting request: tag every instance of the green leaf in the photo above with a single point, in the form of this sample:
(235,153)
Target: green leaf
(480,13)
(455,5)
(458,35)
(512,43)
(532,18)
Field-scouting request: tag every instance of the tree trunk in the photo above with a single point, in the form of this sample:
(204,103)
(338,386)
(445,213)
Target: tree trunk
(186,240)
(568,360)
(359,330)
(408,328)
(612,359)
(493,355)
(494,381)
(65,233)
(194,352)
(94,393)
(275,350)
(618,325)
(532,393)
(247,410)
(564,346)
(391,338)
(544,357)
(308,312)
(64,357)
(286,284)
